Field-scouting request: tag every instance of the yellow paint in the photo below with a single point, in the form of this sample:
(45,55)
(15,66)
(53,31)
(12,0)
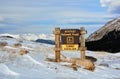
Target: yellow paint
(69,46)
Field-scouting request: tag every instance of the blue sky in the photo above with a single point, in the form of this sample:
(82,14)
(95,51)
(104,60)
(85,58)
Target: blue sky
(42,16)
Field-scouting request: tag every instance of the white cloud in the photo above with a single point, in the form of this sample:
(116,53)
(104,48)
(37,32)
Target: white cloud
(105,3)
(83,17)
(82,20)
(112,5)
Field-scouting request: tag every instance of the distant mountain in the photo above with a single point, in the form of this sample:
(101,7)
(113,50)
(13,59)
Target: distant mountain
(45,41)
(106,38)
(30,37)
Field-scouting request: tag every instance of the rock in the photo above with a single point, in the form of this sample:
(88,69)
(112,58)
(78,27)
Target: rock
(74,66)
(104,64)
(117,68)
(86,64)
(17,45)
(23,51)
(91,58)
(2,44)
(73,60)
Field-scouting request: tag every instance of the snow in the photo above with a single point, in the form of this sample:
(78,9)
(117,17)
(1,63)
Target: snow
(33,60)
(34,66)
(5,70)
(31,37)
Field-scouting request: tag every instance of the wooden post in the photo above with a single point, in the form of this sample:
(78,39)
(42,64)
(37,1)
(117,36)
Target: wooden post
(82,43)
(57,44)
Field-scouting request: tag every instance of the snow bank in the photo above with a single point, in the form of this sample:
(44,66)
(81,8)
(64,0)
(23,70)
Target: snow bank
(5,70)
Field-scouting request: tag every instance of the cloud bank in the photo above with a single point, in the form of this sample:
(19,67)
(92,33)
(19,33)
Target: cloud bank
(112,5)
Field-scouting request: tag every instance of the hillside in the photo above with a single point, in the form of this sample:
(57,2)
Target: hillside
(15,64)
(106,38)
(113,25)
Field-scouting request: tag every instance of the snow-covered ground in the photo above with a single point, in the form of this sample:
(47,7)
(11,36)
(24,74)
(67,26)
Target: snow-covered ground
(34,66)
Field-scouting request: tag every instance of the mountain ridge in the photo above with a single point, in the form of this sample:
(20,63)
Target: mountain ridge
(106,38)
(108,27)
